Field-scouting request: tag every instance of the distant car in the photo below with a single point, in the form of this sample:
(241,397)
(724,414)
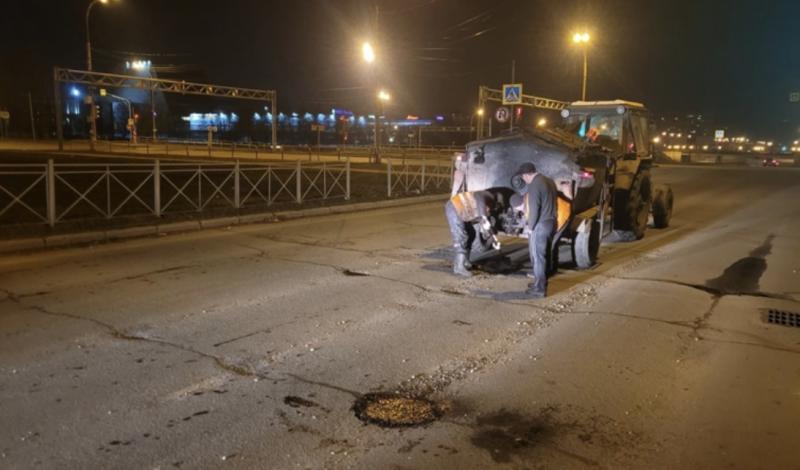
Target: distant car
(769,161)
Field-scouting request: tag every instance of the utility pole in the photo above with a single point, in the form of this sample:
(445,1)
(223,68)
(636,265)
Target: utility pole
(90,95)
(153,112)
(33,121)
(585,72)
(513,70)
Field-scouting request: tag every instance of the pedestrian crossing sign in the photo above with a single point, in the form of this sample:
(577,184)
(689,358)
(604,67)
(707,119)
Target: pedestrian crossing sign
(512,93)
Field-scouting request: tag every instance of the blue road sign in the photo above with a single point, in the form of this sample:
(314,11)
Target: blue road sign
(512,93)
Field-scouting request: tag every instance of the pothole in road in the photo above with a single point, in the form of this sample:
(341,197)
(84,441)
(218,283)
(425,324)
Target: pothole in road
(391,411)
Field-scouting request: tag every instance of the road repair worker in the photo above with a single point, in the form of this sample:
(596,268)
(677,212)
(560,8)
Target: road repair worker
(540,213)
(465,211)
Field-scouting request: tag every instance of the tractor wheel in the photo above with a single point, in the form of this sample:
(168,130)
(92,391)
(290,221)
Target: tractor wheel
(662,206)
(632,207)
(586,245)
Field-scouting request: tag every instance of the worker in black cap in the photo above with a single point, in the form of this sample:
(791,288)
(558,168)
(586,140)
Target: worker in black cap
(541,213)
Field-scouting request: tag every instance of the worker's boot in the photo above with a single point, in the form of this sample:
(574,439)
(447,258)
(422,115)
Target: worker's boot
(459,265)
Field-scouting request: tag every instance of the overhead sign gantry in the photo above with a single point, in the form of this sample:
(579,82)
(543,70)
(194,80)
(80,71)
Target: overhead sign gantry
(486,94)
(110,80)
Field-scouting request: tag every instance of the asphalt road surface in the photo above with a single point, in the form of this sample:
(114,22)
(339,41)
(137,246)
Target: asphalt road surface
(247,348)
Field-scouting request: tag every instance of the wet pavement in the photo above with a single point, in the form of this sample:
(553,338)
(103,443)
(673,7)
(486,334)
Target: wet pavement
(252,347)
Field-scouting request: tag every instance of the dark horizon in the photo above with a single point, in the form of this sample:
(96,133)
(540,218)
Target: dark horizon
(731,62)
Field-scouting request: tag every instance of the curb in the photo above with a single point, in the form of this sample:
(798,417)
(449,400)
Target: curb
(68,239)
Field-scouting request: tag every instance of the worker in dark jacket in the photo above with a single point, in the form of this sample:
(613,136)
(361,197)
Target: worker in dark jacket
(465,211)
(541,212)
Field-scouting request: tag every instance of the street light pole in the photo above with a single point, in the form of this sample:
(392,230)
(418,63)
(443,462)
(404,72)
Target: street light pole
(93,107)
(585,72)
(582,39)
(479,113)
(368,54)
(383,98)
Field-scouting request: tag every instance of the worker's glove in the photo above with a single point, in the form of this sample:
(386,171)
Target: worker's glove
(486,227)
(487,232)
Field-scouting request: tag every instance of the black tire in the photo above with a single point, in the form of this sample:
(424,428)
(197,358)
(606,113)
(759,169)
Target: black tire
(632,207)
(662,206)
(586,245)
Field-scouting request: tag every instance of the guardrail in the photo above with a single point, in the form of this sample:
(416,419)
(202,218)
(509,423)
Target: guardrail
(418,176)
(55,192)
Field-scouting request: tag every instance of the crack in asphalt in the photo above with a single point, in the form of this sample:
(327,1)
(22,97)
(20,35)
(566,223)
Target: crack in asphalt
(677,323)
(755,345)
(351,272)
(133,277)
(320,245)
(701,287)
(116,333)
(700,323)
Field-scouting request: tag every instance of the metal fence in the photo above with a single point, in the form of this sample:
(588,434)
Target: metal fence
(55,192)
(406,176)
(258,151)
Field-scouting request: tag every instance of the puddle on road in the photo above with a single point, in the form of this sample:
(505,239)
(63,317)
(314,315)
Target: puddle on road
(507,434)
(392,410)
(744,275)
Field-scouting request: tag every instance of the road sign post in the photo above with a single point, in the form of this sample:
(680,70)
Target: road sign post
(512,95)
(318,128)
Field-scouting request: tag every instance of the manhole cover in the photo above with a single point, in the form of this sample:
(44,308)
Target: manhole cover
(783,318)
(390,410)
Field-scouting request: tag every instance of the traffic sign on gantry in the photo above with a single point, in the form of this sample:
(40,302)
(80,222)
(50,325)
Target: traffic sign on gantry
(512,93)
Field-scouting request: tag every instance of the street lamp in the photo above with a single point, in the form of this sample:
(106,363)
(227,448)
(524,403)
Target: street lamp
(90,97)
(478,112)
(368,52)
(582,39)
(542,122)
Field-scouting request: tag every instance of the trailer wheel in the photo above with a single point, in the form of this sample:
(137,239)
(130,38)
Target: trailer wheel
(632,207)
(662,206)
(586,245)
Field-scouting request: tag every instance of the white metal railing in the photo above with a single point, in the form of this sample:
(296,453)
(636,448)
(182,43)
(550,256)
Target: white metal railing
(418,175)
(54,192)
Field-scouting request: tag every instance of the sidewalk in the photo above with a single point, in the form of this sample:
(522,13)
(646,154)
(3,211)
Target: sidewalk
(101,236)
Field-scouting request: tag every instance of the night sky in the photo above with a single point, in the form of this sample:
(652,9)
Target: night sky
(733,61)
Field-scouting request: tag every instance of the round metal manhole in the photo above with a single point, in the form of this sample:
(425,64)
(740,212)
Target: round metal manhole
(390,410)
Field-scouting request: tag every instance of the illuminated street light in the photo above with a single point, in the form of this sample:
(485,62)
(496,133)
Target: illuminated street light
(582,39)
(138,65)
(656,140)
(368,52)
(384,96)
(541,122)
(479,112)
